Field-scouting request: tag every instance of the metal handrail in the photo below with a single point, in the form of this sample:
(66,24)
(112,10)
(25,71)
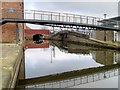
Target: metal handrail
(62,16)
(53,16)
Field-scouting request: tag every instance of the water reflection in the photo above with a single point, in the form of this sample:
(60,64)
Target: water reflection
(62,57)
(65,57)
(100,55)
(104,57)
(40,62)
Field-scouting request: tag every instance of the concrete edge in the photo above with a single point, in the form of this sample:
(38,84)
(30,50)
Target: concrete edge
(13,80)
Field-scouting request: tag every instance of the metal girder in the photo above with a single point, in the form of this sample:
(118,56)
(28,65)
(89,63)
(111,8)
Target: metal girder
(63,24)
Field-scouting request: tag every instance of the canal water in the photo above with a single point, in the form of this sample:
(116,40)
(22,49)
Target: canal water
(56,57)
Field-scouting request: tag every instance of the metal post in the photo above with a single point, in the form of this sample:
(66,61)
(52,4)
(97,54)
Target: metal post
(80,19)
(66,17)
(69,18)
(34,15)
(53,29)
(93,21)
(86,19)
(23,27)
(23,33)
(43,16)
(105,33)
(59,16)
(51,16)
(73,18)
(17,31)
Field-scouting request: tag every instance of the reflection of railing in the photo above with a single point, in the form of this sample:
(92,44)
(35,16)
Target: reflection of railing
(53,16)
(77,81)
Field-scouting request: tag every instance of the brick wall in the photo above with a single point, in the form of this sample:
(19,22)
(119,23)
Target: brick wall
(8,32)
(100,35)
(9,29)
(30,32)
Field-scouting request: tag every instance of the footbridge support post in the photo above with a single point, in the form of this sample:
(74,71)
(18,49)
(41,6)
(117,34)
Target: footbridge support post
(17,33)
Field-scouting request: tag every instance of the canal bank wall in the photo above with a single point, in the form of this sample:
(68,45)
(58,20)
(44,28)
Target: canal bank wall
(12,56)
(66,75)
(82,39)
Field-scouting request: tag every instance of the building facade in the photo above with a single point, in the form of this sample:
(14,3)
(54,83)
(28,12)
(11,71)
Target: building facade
(12,10)
(104,35)
(110,35)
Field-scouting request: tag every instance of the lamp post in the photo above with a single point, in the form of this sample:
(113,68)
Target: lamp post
(105,16)
(105,25)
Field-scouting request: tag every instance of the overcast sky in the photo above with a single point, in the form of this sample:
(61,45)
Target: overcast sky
(96,8)
(83,8)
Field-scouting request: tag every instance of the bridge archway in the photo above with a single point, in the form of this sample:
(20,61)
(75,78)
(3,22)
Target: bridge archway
(29,33)
(36,38)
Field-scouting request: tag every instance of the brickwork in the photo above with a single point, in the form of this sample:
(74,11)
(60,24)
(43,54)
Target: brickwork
(9,29)
(8,32)
(100,35)
(30,32)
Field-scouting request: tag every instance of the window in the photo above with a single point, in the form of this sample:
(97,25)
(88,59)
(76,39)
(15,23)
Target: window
(11,10)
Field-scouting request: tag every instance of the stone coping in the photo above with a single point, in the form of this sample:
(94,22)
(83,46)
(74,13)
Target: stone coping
(9,62)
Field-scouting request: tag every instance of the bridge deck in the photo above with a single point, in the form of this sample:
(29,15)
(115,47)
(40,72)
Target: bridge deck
(56,19)
(57,23)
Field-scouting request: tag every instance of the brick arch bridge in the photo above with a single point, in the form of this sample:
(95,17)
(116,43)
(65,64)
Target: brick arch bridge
(29,36)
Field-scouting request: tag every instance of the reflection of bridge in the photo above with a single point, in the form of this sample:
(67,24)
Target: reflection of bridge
(31,44)
(29,33)
(55,19)
(70,79)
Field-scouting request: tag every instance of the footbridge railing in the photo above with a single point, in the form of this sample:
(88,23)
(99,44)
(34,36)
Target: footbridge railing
(46,15)
(57,18)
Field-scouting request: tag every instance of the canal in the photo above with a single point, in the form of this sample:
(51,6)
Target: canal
(57,64)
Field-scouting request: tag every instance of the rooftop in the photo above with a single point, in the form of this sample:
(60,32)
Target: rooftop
(111,22)
(114,19)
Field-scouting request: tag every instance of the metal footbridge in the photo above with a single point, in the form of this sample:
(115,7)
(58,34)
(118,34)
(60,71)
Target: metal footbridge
(56,19)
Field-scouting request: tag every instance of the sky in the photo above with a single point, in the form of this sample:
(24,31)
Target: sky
(96,8)
(83,8)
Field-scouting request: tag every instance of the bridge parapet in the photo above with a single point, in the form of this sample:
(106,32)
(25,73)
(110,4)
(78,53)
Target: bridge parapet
(56,18)
(47,15)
